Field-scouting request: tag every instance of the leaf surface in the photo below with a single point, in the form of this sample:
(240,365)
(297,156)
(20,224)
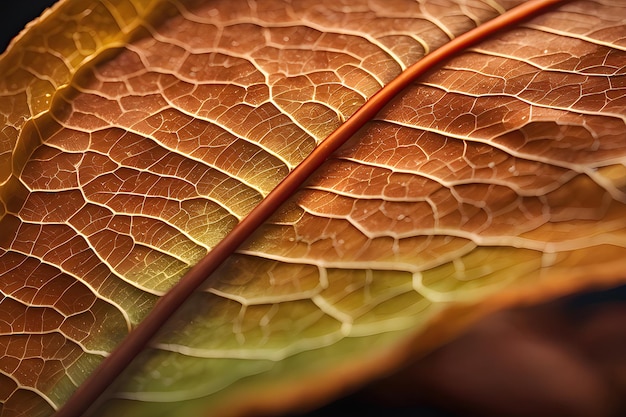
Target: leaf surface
(136,144)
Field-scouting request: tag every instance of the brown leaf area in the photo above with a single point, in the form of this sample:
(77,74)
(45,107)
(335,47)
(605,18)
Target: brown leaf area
(134,147)
(143,162)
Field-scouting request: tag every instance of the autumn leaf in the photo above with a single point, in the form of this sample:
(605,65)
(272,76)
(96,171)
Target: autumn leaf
(139,136)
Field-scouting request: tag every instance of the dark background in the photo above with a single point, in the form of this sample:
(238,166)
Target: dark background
(15,14)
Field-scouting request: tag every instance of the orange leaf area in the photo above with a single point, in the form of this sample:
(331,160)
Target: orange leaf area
(137,134)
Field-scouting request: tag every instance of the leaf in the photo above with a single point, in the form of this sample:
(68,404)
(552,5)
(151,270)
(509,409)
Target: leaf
(138,134)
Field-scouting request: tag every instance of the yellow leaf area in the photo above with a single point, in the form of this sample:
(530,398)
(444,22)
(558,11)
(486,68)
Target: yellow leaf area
(136,134)
(496,180)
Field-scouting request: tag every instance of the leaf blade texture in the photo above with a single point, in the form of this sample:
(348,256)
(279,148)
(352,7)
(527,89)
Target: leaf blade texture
(500,175)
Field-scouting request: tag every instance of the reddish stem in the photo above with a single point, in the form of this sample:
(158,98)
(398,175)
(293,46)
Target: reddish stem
(136,341)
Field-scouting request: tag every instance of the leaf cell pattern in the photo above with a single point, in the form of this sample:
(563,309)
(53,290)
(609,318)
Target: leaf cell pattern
(500,174)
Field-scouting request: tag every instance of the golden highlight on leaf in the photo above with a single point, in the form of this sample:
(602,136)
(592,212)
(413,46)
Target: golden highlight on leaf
(137,134)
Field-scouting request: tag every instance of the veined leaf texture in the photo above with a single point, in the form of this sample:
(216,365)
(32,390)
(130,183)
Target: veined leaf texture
(137,134)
